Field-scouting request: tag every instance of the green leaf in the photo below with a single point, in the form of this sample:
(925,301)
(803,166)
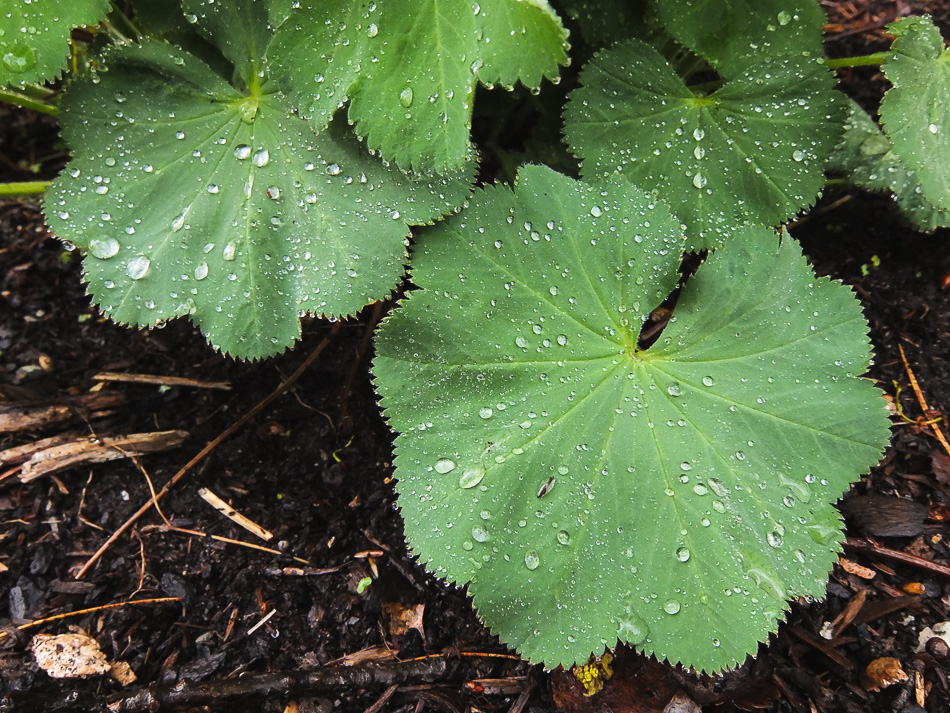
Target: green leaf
(734,34)
(868,160)
(603,22)
(34,36)
(916,110)
(673,498)
(193,198)
(751,152)
(409,67)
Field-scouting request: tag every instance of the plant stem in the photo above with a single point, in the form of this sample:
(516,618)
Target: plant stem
(26,188)
(866,60)
(836,183)
(17,99)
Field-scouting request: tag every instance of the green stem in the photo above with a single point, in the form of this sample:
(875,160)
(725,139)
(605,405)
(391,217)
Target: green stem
(17,99)
(866,60)
(26,188)
(837,183)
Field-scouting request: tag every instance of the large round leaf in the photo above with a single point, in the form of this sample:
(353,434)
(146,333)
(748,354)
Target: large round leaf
(916,110)
(191,197)
(751,152)
(675,497)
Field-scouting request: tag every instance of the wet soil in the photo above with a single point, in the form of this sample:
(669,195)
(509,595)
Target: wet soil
(313,469)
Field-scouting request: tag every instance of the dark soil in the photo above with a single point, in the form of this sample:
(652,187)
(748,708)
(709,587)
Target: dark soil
(313,469)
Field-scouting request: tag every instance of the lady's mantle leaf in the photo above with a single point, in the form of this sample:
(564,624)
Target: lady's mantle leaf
(673,498)
(193,198)
(734,34)
(751,152)
(868,160)
(916,110)
(34,36)
(409,67)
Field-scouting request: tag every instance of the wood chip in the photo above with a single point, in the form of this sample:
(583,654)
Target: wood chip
(881,673)
(856,569)
(403,618)
(34,415)
(52,455)
(233,515)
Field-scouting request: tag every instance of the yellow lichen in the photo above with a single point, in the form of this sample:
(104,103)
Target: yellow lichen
(593,673)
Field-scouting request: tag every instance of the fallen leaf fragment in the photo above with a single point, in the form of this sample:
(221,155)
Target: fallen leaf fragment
(402,618)
(123,673)
(69,655)
(681,703)
(593,674)
(881,673)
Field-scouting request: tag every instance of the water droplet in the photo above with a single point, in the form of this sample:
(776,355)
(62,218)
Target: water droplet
(261,158)
(179,222)
(334,169)
(242,151)
(405,97)
(444,465)
(212,188)
(201,271)
(674,389)
(471,477)
(531,560)
(562,339)
(933,128)
(774,539)
(596,211)
(632,629)
(521,342)
(229,250)
(798,155)
(138,267)
(682,554)
(19,58)
(671,606)
(104,249)
(485,412)
(699,180)
(372,30)
(563,537)
(740,455)
(273,192)
(708,381)
(699,134)
(783,18)
(479,534)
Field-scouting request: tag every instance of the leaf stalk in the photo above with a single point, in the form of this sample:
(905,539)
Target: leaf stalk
(11,96)
(25,188)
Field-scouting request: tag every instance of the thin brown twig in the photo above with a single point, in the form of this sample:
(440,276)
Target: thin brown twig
(224,435)
(91,610)
(869,547)
(923,402)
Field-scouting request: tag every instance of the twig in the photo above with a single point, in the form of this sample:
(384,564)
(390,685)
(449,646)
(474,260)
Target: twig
(91,610)
(873,548)
(269,686)
(923,401)
(161,380)
(233,515)
(229,431)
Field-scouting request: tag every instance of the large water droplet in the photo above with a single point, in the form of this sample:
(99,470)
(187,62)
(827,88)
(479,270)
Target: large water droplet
(708,381)
(682,554)
(372,30)
(201,271)
(699,134)
(674,389)
(444,465)
(19,58)
(532,560)
(138,267)
(471,477)
(104,249)
(699,180)
(632,629)
(563,537)
(486,413)
(242,151)
(261,158)
(405,97)
(671,606)
(229,250)
(479,534)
